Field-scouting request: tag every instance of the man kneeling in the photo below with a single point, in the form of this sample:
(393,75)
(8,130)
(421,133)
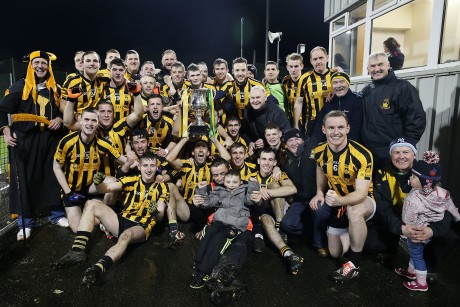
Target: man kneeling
(144,198)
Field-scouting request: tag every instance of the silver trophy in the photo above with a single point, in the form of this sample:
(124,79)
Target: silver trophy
(198,103)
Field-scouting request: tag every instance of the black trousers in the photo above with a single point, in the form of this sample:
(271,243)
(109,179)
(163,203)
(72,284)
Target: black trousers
(217,237)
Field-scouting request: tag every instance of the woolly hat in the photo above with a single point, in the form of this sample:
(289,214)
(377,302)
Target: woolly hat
(404,141)
(291,133)
(341,75)
(253,69)
(428,170)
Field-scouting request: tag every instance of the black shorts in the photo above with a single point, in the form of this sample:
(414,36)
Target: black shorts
(337,218)
(85,193)
(124,223)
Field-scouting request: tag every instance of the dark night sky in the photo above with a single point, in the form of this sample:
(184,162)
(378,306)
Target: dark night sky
(196,30)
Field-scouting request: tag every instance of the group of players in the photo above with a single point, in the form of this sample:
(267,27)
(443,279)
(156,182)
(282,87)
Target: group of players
(113,152)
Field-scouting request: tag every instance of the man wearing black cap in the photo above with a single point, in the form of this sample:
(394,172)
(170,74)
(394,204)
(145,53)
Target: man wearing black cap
(391,187)
(302,171)
(33,143)
(344,100)
(392,108)
(252,71)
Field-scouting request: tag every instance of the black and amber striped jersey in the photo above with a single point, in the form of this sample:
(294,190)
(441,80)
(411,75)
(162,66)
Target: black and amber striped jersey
(174,99)
(221,140)
(121,100)
(129,76)
(165,93)
(248,170)
(290,88)
(159,131)
(240,94)
(104,74)
(80,161)
(118,137)
(140,200)
(224,86)
(344,167)
(314,88)
(191,175)
(265,180)
(393,186)
(92,91)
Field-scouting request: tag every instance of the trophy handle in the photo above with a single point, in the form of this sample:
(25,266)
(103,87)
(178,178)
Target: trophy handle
(184,97)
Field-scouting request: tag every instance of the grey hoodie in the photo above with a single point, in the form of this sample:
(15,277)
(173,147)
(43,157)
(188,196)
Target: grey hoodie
(231,206)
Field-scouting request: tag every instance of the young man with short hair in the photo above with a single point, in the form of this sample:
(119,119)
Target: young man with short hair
(77,158)
(344,168)
(144,198)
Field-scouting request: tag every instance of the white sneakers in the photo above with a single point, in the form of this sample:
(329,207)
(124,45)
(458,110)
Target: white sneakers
(63,222)
(20,235)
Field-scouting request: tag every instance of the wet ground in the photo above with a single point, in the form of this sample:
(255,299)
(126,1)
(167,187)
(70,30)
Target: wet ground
(152,275)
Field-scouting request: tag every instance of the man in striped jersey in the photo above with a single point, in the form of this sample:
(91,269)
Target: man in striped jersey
(77,158)
(345,168)
(294,65)
(144,198)
(313,89)
(116,90)
(90,85)
(132,65)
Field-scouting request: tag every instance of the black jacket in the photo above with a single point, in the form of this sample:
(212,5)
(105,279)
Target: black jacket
(254,122)
(302,171)
(352,105)
(391,109)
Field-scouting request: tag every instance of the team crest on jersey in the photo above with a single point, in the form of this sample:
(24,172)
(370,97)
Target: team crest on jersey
(152,130)
(385,104)
(117,97)
(152,207)
(93,92)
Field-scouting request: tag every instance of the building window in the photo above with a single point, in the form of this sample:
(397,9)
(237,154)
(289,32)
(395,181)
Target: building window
(357,14)
(339,23)
(450,48)
(348,49)
(410,25)
(380,3)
